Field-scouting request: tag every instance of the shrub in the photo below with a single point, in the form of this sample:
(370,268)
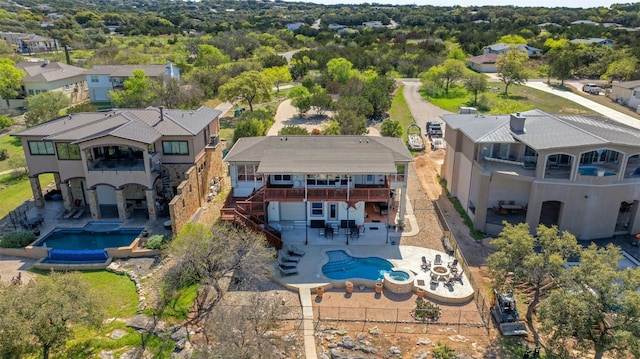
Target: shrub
(4,154)
(5,121)
(17,239)
(156,241)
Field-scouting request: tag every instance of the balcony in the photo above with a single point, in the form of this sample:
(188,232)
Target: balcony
(116,165)
(327,194)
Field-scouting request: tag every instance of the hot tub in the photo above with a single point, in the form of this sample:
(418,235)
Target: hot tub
(399,281)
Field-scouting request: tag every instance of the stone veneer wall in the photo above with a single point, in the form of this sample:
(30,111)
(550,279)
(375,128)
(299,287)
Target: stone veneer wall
(193,190)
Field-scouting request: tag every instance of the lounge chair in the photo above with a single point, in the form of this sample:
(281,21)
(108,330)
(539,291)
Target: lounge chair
(426,265)
(294,251)
(71,213)
(285,264)
(287,271)
(287,258)
(438,260)
(79,214)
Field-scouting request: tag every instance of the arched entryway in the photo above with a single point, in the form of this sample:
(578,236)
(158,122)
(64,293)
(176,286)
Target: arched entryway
(550,213)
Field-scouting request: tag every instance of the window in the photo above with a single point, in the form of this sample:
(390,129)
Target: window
(317,209)
(282,177)
(247,173)
(175,147)
(67,151)
(31,92)
(41,148)
(151,148)
(94,78)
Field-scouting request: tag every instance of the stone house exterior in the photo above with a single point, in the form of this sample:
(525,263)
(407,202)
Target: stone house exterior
(127,162)
(577,172)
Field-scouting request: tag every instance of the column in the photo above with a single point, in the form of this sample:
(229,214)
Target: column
(65,191)
(94,205)
(57,180)
(122,205)
(403,206)
(36,189)
(151,204)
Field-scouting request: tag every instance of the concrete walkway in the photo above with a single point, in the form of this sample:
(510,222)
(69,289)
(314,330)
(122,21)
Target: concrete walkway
(601,109)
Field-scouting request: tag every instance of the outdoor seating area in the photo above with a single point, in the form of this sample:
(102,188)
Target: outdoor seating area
(509,207)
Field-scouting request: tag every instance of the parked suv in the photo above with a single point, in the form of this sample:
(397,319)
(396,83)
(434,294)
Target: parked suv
(592,89)
(434,129)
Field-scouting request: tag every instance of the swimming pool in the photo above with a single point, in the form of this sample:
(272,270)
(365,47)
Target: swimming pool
(95,235)
(594,171)
(626,261)
(343,266)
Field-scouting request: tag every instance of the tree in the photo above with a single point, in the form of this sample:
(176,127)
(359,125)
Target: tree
(390,128)
(176,94)
(39,314)
(475,83)
(331,128)
(447,73)
(320,102)
(561,63)
(10,80)
(512,68)
(340,69)
(278,75)
(45,106)
(206,256)
(292,130)
(378,92)
(351,123)
(300,99)
(597,307)
(139,91)
(512,39)
(210,56)
(522,259)
(621,70)
(358,104)
(250,86)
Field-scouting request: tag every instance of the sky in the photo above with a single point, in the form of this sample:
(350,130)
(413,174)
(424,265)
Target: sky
(521,3)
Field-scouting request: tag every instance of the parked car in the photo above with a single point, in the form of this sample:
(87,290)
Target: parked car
(434,129)
(592,89)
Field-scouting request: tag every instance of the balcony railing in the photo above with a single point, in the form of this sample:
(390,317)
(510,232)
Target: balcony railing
(327,194)
(116,165)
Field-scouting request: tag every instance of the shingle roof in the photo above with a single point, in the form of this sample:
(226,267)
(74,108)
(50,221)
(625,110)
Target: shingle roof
(321,154)
(127,70)
(144,126)
(490,58)
(48,71)
(544,131)
(627,84)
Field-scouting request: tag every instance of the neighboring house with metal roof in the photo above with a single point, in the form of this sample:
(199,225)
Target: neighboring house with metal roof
(626,93)
(316,181)
(127,161)
(580,173)
(46,76)
(483,63)
(103,79)
(30,43)
(593,41)
(502,48)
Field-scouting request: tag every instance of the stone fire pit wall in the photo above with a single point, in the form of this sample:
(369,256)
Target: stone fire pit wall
(397,286)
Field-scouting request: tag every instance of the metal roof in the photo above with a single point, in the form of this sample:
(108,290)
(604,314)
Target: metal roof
(321,154)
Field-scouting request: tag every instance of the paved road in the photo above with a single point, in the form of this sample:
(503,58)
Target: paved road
(421,110)
(601,109)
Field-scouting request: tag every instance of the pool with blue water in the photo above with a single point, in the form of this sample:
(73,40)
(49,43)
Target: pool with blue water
(94,235)
(343,266)
(593,171)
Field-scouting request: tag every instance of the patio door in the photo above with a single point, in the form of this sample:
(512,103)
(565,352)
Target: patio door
(333,211)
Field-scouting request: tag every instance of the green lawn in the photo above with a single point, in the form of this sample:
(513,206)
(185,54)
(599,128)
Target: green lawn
(521,98)
(399,111)
(13,145)
(15,190)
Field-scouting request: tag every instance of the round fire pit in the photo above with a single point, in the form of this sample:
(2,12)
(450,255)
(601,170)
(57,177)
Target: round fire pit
(440,271)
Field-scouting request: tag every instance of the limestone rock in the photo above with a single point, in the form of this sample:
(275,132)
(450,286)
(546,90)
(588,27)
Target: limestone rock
(424,341)
(347,342)
(117,334)
(395,351)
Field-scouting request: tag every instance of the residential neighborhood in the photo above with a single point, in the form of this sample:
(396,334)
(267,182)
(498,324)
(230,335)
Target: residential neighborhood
(262,179)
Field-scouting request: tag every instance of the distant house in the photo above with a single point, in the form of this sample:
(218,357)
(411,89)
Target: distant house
(102,79)
(626,93)
(30,43)
(548,24)
(294,26)
(373,24)
(335,26)
(481,22)
(54,76)
(593,40)
(483,63)
(501,48)
(584,22)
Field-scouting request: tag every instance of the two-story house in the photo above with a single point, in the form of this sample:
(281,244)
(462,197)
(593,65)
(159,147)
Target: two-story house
(30,43)
(128,161)
(317,181)
(54,76)
(577,172)
(103,79)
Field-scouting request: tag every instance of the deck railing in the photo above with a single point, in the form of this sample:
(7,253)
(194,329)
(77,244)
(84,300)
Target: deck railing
(327,194)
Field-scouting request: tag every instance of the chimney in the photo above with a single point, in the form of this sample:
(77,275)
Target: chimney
(161,112)
(517,123)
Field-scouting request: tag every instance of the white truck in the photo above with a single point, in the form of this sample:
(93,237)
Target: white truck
(592,89)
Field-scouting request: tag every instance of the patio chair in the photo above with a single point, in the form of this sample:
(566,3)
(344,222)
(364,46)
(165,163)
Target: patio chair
(287,271)
(453,264)
(294,251)
(284,264)
(426,265)
(438,260)
(288,258)
(434,279)
(449,280)
(458,276)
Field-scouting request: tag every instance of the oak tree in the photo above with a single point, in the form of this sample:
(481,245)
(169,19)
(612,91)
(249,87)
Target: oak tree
(512,68)
(250,87)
